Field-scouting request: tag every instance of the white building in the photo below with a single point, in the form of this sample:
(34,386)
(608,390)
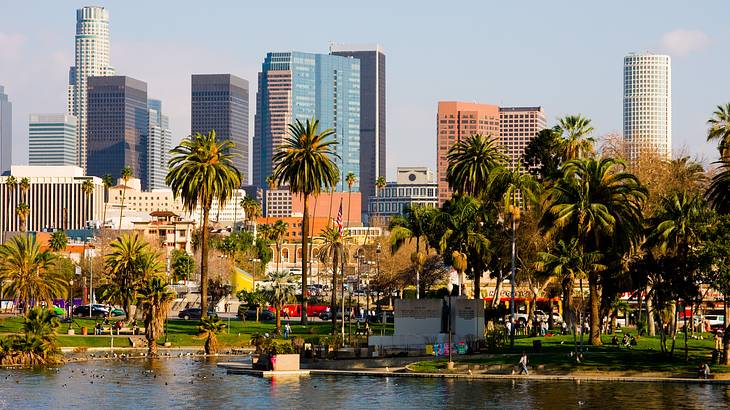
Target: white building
(52,139)
(55,198)
(90,59)
(413,186)
(648,104)
(159,140)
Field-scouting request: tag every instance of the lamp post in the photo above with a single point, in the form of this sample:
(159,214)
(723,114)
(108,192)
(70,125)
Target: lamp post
(449,288)
(70,302)
(377,273)
(515,216)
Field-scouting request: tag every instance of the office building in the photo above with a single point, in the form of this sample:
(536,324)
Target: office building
(55,199)
(52,140)
(301,86)
(220,102)
(372,113)
(91,58)
(517,126)
(159,142)
(6,132)
(118,124)
(648,105)
(281,203)
(414,186)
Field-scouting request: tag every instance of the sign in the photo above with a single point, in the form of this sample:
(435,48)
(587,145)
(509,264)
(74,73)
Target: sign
(78,270)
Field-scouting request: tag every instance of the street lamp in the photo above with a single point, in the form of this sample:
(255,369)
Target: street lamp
(449,288)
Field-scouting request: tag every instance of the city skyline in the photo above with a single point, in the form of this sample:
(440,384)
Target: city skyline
(590,85)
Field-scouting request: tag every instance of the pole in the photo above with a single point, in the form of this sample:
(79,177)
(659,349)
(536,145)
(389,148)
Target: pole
(418,283)
(342,299)
(512,283)
(449,322)
(92,299)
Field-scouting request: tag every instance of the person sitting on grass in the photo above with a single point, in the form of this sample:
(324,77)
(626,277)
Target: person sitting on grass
(626,341)
(614,340)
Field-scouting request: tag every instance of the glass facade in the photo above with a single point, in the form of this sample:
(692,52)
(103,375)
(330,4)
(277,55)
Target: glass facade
(158,146)
(52,140)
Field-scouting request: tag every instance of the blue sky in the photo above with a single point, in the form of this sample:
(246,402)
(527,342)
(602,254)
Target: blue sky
(564,55)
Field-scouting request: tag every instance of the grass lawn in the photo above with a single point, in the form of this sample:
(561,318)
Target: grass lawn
(645,357)
(185,332)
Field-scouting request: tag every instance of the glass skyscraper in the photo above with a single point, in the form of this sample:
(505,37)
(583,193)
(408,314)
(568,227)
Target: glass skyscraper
(158,146)
(52,139)
(300,86)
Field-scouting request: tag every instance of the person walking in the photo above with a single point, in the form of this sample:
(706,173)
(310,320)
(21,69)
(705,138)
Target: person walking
(523,364)
(287,330)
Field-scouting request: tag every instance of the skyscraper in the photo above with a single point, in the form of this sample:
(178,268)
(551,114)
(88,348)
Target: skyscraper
(158,145)
(220,102)
(118,124)
(6,131)
(648,105)
(52,139)
(90,59)
(517,126)
(372,113)
(301,86)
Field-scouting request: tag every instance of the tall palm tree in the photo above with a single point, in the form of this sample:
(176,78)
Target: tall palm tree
(576,140)
(415,222)
(351,179)
(380,183)
(26,272)
(333,248)
(280,291)
(209,327)
(108,182)
(678,223)
(125,175)
(470,163)
(201,169)
(720,129)
(305,163)
(23,211)
(599,203)
(128,263)
(718,194)
(12,185)
(278,230)
(87,187)
(156,300)
(252,209)
(24,188)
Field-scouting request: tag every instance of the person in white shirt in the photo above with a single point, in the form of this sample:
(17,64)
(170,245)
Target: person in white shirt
(523,364)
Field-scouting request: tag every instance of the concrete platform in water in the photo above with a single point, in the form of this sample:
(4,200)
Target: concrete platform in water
(245,368)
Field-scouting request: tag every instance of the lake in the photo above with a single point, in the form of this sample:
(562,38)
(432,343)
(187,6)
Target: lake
(198,383)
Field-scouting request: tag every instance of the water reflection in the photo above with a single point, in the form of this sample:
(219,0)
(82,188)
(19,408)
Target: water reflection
(197,383)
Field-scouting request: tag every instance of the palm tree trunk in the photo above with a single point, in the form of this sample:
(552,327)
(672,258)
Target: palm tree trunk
(349,198)
(567,296)
(278,320)
(204,265)
(650,325)
(305,257)
(121,209)
(333,303)
(595,309)
(726,336)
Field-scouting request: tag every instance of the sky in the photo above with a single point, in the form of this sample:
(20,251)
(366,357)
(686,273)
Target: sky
(566,56)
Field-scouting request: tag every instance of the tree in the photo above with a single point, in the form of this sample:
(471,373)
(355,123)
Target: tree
(201,169)
(254,299)
(379,185)
(125,175)
(718,194)
(719,129)
(305,163)
(351,179)
(543,154)
(156,300)
(412,225)
(58,241)
(38,344)
(209,327)
(276,234)
(599,203)
(24,188)
(87,187)
(470,163)
(182,265)
(252,209)
(333,248)
(12,185)
(279,292)
(23,211)
(717,249)
(130,263)
(108,182)
(576,141)
(26,272)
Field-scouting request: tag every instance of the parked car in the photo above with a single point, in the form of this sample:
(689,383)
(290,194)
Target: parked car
(715,321)
(250,314)
(96,311)
(194,314)
(327,315)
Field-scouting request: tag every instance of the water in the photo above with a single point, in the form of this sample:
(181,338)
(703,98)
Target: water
(196,383)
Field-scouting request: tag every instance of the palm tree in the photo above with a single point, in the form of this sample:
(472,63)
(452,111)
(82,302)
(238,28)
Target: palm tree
(108,182)
(156,299)
(209,327)
(58,241)
(470,163)
(598,203)
(305,163)
(333,248)
(24,188)
(23,211)
(718,195)
(335,181)
(720,129)
(252,209)
(125,175)
(128,264)
(380,183)
(12,184)
(278,230)
(351,179)
(87,187)
(415,222)
(27,273)
(279,292)
(201,169)
(576,142)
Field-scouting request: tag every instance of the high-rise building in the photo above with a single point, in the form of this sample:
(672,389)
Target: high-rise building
(6,131)
(118,124)
(414,186)
(158,145)
(372,113)
(648,105)
(513,127)
(91,58)
(301,86)
(220,102)
(52,139)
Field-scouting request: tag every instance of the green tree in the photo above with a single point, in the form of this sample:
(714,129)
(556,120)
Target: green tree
(414,224)
(254,299)
(182,265)
(278,230)
(155,299)
(58,241)
(333,248)
(470,163)
(543,154)
(718,194)
(717,250)
(380,183)
(252,209)
(130,263)
(280,291)
(209,327)
(126,174)
(24,188)
(201,169)
(108,181)
(26,272)
(23,211)
(351,179)
(305,163)
(37,346)
(599,203)
(719,129)
(576,141)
